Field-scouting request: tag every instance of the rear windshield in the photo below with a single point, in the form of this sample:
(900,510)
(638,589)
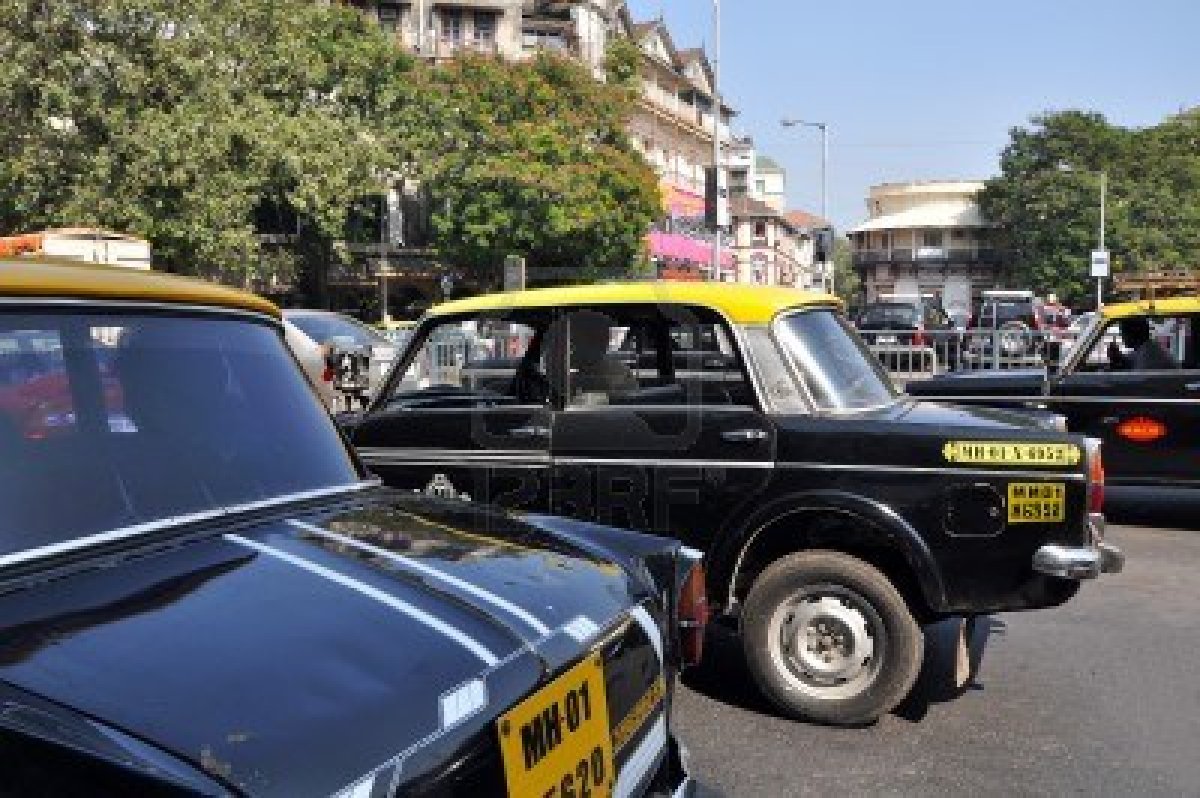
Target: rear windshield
(110,421)
(838,369)
(1012,311)
(891,315)
(324,327)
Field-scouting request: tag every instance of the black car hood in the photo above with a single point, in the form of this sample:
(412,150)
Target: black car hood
(288,658)
(983,382)
(917,415)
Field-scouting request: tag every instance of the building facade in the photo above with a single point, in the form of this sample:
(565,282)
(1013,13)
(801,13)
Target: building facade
(768,249)
(926,238)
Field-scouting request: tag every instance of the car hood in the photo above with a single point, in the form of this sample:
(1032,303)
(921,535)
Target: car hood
(1014,382)
(296,655)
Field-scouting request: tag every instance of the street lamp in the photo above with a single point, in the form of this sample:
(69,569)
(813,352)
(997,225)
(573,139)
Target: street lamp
(1066,167)
(716,251)
(824,128)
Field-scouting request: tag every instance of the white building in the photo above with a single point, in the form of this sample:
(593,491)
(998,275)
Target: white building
(926,237)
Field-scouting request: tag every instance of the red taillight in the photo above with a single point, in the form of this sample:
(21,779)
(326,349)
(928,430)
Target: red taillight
(327,374)
(692,615)
(919,336)
(1095,481)
(1141,429)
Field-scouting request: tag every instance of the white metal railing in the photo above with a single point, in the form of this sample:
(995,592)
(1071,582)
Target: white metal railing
(909,355)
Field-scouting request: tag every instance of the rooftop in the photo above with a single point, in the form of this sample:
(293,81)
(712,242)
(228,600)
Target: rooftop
(742,304)
(53,279)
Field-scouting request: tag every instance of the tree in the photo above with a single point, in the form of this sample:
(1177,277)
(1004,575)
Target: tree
(846,281)
(1046,201)
(536,162)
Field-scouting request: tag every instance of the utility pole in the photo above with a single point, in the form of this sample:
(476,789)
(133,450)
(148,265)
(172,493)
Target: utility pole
(716,252)
(824,128)
(1103,203)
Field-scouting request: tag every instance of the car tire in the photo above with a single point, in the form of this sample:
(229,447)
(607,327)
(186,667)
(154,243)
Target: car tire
(828,638)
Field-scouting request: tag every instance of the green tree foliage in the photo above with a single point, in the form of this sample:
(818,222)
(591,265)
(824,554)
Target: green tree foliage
(846,281)
(536,162)
(1046,201)
(199,123)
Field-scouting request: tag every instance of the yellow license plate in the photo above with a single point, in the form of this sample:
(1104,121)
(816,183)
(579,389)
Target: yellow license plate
(558,742)
(1036,502)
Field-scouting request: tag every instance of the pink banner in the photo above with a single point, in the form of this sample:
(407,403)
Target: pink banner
(675,246)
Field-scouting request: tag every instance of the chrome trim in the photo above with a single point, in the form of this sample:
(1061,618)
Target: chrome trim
(1078,562)
(663,462)
(178,520)
(1048,402)
(399,455)
(134,304)
(968,472)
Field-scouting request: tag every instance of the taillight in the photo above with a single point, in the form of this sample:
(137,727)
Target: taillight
(692,615)
(919,336)
(1095,479)
(327,374)
(1141,429)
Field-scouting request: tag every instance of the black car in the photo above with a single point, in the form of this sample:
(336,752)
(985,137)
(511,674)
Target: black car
(835,517)
(1143,404)
(202,591)
(910,334)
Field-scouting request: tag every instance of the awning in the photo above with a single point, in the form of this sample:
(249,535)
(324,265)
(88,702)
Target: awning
(940,214)
(675,246)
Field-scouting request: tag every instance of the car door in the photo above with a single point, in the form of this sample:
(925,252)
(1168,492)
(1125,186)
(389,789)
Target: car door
(675,447)
(1148,420)
(456,421)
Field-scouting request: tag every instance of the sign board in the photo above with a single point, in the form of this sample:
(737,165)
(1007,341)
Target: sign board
(514,273)
(1099,263)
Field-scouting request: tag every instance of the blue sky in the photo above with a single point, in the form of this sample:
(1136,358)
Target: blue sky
(928,89)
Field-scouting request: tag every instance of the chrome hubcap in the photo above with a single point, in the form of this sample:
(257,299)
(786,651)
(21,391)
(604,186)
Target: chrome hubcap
(828,642)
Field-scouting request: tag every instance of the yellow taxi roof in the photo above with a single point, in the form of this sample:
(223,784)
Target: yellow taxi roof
(1146,307)
(742,304)
(47,278)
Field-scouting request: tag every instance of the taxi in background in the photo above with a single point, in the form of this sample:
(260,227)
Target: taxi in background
(202,591)
(1132,381)
(836,516)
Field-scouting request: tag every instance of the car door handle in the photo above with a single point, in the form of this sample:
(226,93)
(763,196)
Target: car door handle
(1193,386)
(745,435)
(531,431)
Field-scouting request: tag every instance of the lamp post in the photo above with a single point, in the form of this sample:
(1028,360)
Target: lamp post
(1068,168)
(716,250)
(824,128)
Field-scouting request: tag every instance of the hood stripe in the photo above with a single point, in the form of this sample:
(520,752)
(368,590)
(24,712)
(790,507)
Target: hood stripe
(428,570)
(467,642)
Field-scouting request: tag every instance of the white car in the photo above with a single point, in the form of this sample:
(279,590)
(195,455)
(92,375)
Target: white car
(310,333)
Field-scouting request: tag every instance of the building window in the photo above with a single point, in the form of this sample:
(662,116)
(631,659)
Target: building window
(452,25)
(485,27)
(389,17)
(760,187)
(931,238)
(959,235)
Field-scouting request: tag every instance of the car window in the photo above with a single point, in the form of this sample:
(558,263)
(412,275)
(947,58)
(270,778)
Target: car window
(142,418)
(1122,346)
(474,362)
(642,357)
(837,368)
(889,316)
(324,327)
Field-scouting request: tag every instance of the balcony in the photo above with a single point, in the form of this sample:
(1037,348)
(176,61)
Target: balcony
(447,47)
(932,255)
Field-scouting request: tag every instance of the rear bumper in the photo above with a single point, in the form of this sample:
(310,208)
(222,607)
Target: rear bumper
(1081,562)
(672,779)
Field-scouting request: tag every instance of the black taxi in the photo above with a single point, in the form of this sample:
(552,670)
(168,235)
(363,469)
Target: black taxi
(835,516)
(204,592)
(1131,380)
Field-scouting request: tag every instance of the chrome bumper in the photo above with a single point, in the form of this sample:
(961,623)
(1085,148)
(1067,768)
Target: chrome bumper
(1081,562)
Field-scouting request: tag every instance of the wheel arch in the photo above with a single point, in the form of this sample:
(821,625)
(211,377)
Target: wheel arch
(830,520)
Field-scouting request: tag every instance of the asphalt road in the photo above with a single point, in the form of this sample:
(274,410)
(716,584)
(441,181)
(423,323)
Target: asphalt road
(1098,697)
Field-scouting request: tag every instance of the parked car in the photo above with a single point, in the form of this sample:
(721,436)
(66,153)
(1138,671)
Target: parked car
(836,517)
(312,333)
(202,591)
(1011,328)
(1147,417)
(911,333)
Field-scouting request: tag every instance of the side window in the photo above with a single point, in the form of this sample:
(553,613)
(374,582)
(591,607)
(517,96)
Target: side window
(1138,344)
(476,362)
(637,356)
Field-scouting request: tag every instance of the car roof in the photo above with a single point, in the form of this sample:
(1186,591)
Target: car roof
(53,279)
(742,304)
(1153,307)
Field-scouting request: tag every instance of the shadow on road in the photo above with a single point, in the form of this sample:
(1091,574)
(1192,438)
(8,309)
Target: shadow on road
(723,675)
(1162,508)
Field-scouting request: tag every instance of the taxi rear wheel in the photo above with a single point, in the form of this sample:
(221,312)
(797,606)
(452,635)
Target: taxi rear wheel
(828,638)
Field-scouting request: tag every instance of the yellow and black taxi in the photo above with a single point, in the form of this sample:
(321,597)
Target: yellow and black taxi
(202,590)
(835,516)
(1131,380)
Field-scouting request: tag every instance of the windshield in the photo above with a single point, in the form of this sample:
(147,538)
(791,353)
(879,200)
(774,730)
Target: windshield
(838,369)
(889,316)
(142,418)
(323,327)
